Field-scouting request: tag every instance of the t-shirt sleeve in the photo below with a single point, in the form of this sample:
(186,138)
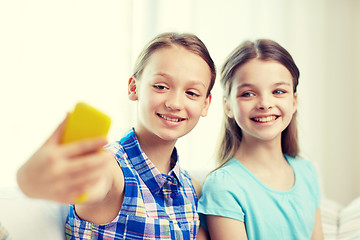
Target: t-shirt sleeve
(218,198)
(308,176)
(315,183)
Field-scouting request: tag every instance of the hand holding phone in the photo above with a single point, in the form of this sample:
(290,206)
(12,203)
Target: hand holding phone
(85,122)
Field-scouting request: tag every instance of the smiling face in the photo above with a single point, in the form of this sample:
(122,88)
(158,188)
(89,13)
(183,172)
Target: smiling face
(262,100)
(171,93)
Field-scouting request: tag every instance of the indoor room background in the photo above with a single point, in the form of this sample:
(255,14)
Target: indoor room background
(56,53)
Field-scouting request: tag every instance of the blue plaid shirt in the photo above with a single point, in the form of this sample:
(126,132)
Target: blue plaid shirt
(155,206)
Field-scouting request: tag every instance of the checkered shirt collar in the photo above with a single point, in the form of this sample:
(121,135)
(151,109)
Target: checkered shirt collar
(146,169)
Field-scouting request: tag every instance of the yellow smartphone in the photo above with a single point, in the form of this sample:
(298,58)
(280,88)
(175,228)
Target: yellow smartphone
(85,122)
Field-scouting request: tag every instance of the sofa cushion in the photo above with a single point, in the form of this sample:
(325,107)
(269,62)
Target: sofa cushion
(26,218)
(349,221)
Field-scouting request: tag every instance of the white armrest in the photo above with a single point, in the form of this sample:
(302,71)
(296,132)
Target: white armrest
(27,218)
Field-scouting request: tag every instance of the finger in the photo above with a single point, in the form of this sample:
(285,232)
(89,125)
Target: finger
(65,170)
(87,194)
(66,189)
(56,135)
(83,164)
(83,147)
(85,181)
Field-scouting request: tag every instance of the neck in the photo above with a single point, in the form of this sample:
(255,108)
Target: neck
(158,151)
(267,154)
(267,162)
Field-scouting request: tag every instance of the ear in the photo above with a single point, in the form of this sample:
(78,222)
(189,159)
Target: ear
(132,94)
(295,103)
(206,106)
(227,108)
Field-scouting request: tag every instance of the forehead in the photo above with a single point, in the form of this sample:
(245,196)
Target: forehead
(178,62)
(262,72)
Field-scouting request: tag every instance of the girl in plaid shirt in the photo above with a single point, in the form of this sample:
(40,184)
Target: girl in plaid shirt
(144,194)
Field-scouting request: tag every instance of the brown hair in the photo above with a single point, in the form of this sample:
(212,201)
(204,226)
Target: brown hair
(266,50)
(189,41)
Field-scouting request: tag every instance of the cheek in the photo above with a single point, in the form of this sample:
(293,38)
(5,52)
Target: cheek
(147,102)
(289,111)
(240,109)
(194,109)
(151,98)
(291,106)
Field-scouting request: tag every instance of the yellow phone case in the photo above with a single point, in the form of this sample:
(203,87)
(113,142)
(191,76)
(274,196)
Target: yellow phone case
(85,122)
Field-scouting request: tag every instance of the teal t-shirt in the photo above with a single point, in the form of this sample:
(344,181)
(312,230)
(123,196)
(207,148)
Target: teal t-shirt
(234,192)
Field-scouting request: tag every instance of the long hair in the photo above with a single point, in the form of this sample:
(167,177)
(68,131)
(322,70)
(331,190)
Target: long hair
(165,40)
(266,50)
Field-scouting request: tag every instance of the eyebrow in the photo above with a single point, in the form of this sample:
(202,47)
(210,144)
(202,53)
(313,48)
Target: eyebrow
(282,83)
(194,82)
(162,74)
(275,85)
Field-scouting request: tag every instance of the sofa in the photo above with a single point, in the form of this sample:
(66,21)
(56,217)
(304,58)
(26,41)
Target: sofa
(30,219)
(340,222)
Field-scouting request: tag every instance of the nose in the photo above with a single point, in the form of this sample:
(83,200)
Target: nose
(265,103)
(174,101)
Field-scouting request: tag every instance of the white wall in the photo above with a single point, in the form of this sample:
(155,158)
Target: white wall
(341,85)
(55,53)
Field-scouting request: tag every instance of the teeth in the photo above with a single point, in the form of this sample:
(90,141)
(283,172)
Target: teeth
(265,119)
(170,119)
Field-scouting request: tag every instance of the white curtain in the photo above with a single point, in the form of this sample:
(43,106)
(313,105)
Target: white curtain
(55,53)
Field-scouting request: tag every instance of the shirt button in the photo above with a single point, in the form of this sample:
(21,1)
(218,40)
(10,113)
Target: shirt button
(170,179)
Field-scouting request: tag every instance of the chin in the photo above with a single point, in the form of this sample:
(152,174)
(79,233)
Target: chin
(169,135)
(270,137)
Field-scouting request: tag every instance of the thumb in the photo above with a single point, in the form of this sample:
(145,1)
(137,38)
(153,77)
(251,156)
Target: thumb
(56,135)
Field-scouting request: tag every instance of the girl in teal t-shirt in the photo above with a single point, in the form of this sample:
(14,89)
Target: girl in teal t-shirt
(261,189)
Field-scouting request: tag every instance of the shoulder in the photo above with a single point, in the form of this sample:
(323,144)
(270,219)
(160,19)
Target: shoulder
(220,180)
(226,172)
(115,148)
(219,175)
(222,194)
(214,181)
(189,181)
(120,150)
(127,147)
(119,153)
(302,165)
(307,178)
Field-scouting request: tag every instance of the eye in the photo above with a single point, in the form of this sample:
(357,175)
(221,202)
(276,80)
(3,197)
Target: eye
(279,92)
(192,94)
(159,87)
(247,94)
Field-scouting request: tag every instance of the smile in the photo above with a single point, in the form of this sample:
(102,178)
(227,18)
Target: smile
(264,119)
(171,119)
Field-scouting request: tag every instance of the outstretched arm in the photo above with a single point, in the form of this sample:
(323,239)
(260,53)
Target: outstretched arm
(63,172)
(104,211)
